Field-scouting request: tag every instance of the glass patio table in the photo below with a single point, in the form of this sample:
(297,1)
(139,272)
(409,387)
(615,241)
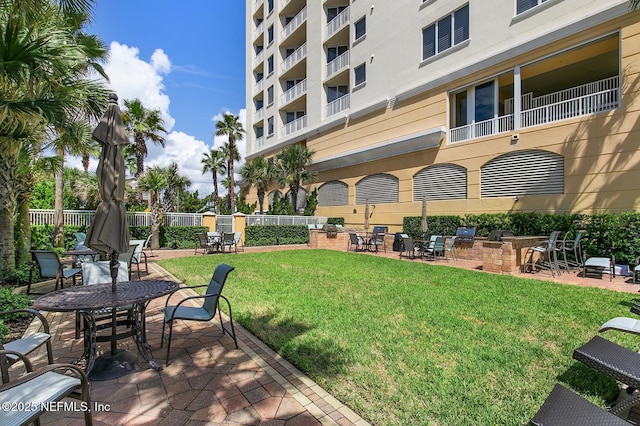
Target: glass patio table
(92,300)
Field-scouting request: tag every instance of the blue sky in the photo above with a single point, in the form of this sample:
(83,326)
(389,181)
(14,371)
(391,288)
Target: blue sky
(185,59)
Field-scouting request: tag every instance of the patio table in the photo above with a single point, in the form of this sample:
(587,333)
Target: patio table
(87,300)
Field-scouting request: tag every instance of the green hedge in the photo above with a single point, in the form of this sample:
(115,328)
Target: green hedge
(606,234)
(335,220)
(267,235)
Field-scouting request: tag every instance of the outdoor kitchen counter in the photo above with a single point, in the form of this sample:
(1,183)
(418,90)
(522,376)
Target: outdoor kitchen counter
(508,255)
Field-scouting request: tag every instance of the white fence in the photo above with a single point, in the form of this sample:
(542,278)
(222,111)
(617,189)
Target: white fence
(224,223)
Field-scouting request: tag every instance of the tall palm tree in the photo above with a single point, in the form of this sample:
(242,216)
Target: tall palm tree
(143,124)
(176,184)
(292,165)
(214,162)
(259,173)
(154,181)
(634,4)
(231,127)
(43,82)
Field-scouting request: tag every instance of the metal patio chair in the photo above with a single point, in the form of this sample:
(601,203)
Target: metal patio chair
(50,267)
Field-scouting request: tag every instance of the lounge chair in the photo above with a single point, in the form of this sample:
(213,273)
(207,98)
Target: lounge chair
(50,267)
(564,407)
(211,304)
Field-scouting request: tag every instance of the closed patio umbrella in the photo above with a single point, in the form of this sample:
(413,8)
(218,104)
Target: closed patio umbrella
(366,216)
(109,231)
(424,227)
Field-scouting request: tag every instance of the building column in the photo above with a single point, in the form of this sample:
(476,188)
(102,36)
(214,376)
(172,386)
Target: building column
(209,221)
(239,225)
(517,98)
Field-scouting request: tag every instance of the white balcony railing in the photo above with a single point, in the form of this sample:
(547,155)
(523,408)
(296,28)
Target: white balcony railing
(291,60)
(258,31)
(259,115)
(258,87)
(294,126)
(283,3)
(337,23)
(591,98)
(340,104)
(338,64)
(295,92)
(294,24)
(257,4)
(259,58)
(259,142)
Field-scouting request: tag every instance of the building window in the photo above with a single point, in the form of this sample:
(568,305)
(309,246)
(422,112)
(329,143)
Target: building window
(270,126)
(333,193)
(447,32)
(361,28)
(259,104)
(259,77)
(270,35)
(361,74)
(270,95)
(440,182)
(334,52)
(332,12)
(259,132)
(377,189)
(270,6)
(524,5)
(336,92)
(270,65)
(526,172)
(293,115)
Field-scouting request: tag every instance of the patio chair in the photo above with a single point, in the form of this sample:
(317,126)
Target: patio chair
(378,241)
(571,247)
(80,237)
(237,236)
(147,245)
(99,273)
(356,242)
(50,267)
(27,343)
(409,249)
(206,312)
(228,241)
(543,255)
(204,244)
(636,271)
(41,388)
(436,249)
(564,407)
(451,247)
(128,258)
(139,256)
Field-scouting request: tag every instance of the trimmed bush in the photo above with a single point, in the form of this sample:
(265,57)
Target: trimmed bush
(268,235)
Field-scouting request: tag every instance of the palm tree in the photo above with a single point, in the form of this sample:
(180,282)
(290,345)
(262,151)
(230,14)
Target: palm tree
(214,162)
(43,83)
(176,184)
(259,173)
(292,165)
(154,181)
(143,124)
(230,126)
(634,4)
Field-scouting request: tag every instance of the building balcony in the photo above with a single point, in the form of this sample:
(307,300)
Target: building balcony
(258,87)
(259,115)
(258,31)
(293,59)
(340,104)
(294,93)
(257,4)
(294,126)
(338,64)
(294,24)
(259,58)
(336,24)
(259,143)
(591,98)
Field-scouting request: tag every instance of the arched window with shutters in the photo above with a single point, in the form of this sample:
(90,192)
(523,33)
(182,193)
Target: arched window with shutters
(333,193)
(377,189)
(301,201)
(526,172)
(270,197)
(440,182)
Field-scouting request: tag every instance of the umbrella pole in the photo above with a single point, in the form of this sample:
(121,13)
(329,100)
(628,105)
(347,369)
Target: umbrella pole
(114,266)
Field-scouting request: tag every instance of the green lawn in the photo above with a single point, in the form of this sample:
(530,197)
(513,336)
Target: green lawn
(415,343)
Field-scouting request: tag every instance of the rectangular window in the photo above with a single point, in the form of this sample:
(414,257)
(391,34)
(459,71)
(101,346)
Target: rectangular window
(524,5)
(270,64)
(270,95)
(361,74)
(290,83)
(294,115)
(259,77)
(259,132)
(334,52)
(270,34)
(447,32)
(259,104)
(332,12)
(270,7)
(270,126)
(361,28)
(336,92)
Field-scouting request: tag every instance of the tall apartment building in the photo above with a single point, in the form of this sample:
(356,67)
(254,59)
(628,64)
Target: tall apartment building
(476,105)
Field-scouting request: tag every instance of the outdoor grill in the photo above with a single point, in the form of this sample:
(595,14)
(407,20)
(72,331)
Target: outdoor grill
(331,230)
(465,235)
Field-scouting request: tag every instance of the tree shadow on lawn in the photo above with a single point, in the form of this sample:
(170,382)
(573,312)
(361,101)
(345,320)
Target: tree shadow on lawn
(587,381)
(296,341)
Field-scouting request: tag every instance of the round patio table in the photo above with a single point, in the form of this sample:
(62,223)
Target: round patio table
(88,300)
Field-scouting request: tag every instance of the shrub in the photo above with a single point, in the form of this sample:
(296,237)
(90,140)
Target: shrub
(335,220)
(10,301)
(267,235)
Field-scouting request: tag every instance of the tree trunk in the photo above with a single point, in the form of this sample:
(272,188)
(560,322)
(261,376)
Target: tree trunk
(58,230)
(232,200)
(294,197)
(8,203)
(261,200)
(23,233)
(155,221)
(216,197)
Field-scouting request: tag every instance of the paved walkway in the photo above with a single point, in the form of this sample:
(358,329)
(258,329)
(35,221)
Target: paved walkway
(211,382)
